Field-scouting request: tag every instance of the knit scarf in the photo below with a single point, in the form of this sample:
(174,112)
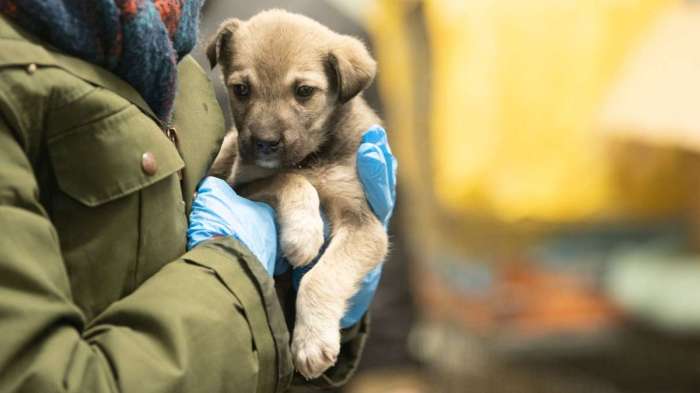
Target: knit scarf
(140,41)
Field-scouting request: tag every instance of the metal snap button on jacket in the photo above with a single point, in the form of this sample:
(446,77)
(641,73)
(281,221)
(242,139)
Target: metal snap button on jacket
(149,163)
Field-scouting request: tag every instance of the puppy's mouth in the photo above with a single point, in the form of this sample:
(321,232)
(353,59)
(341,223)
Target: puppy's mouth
(268,162)
(263,157)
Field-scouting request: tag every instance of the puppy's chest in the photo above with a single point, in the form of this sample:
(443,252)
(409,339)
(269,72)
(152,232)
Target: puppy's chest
(328,167)
(334,180)
(319,162)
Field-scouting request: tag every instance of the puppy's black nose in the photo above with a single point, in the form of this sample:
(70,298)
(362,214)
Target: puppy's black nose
(264,146)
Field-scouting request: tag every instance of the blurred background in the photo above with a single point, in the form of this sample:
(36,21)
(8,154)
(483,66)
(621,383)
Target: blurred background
(547,232)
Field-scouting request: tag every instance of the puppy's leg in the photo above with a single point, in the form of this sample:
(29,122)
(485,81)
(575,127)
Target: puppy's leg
(226,162)
(298,214)
(358,244)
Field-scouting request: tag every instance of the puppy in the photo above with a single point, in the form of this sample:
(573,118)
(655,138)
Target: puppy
(295,93)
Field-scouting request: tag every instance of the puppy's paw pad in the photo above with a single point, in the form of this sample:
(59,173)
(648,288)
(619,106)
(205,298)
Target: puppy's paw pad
(313,354)
(301,239)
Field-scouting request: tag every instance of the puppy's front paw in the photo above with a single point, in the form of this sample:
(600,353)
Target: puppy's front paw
(315,350)
(301,237)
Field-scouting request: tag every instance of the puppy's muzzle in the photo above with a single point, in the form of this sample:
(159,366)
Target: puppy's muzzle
(267,147)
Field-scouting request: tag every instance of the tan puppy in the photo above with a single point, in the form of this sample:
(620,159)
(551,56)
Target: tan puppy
(295,93)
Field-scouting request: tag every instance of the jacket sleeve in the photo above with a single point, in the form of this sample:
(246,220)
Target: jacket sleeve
(207,322)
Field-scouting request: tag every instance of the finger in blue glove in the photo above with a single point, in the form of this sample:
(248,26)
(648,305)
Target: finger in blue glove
(218,211)
(376,167)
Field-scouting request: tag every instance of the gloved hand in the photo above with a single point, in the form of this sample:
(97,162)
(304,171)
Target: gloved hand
(376,167)
(218,211)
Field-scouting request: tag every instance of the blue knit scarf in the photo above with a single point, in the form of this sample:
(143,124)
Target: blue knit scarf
(140,41)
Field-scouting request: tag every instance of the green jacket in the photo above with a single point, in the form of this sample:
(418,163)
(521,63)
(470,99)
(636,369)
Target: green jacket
(97,291)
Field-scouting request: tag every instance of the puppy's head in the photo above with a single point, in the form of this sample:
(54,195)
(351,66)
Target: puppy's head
(286,75)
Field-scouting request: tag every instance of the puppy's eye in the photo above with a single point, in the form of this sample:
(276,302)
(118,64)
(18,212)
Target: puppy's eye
(305,91)
(241,90)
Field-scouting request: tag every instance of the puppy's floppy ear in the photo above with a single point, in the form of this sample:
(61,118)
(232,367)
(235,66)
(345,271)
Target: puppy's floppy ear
(219,46)
(353,66)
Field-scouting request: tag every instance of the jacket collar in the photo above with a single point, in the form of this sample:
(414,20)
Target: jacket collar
(20,48)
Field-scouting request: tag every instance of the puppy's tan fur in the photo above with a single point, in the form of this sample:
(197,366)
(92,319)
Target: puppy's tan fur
(313,163)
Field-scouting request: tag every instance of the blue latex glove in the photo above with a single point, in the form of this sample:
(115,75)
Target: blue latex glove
(218,211)
(376,167)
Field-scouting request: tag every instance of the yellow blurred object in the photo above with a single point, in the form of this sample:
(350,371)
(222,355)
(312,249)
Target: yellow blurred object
(657,97)
(515,88)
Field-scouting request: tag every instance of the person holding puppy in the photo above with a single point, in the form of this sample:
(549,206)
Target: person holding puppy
(107,127)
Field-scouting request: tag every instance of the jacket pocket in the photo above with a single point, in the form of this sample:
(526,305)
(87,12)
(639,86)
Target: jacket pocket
(117,223)
(114,156)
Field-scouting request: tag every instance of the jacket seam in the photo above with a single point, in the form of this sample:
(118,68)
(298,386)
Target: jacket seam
(267,307)
(79,97)
(12,109)
(75,129)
